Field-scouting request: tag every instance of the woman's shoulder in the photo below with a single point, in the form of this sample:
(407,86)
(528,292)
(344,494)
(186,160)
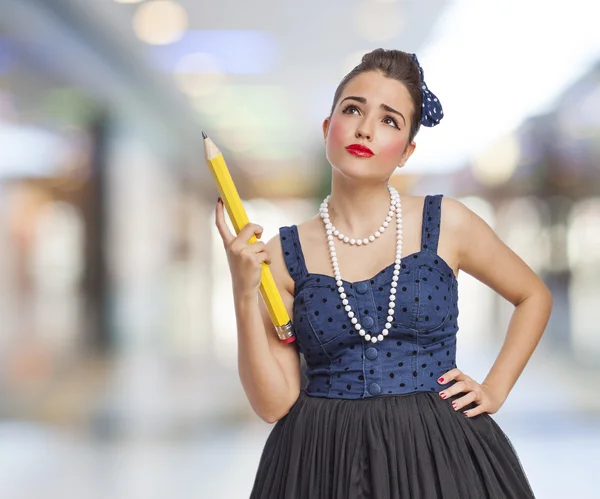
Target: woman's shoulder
(305,229)
(455,213)
(462,228)
(311,226)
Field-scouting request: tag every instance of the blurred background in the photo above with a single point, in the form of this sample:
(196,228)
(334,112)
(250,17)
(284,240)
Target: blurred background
(117,339)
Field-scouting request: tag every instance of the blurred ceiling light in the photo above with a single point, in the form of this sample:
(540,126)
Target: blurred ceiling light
(379,21)
(160,22)
(496,164)
(199,74)
(238,51)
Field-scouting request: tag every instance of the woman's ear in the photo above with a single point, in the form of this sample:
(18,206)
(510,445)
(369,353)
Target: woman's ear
(325,128)
(410,148)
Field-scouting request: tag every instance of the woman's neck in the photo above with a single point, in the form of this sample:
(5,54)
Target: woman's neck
(360,210)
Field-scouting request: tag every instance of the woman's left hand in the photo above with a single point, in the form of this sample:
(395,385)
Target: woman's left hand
(480,394)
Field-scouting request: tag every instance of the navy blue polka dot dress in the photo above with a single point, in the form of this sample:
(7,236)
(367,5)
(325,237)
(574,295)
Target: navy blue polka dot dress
(369,422)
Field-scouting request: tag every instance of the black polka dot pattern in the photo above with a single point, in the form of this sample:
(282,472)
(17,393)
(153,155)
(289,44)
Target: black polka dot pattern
(432,112)
(421,345)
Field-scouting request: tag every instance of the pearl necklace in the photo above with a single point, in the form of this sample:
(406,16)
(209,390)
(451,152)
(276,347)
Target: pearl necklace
(338,276)
(352,241)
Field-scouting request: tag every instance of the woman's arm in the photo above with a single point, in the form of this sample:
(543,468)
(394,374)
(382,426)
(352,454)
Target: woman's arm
(269,369)
(483,255)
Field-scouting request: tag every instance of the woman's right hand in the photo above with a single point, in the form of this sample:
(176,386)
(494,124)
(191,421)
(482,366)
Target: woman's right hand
(245,260)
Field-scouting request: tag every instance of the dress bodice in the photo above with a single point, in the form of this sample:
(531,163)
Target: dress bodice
(421,344)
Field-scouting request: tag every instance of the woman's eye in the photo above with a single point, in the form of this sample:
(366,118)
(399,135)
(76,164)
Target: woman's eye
(391,121)
(349,109)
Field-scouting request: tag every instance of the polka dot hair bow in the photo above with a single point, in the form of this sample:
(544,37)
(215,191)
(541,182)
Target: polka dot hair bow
(431,112)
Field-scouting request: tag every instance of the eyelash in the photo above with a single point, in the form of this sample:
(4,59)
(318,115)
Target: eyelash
(345,111)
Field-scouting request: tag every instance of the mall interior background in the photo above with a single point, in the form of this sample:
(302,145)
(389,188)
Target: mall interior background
(117,336)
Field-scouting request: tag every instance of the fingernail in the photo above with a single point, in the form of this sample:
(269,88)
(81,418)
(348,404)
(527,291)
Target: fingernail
(443,395)
(219,200)
(441,380)
(454,405)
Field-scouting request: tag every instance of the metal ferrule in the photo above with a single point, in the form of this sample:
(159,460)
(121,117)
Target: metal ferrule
(286,331)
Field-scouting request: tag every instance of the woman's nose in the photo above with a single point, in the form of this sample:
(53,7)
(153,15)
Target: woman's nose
(363,132)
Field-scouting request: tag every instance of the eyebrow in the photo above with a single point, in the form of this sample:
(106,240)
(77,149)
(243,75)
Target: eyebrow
(362,100)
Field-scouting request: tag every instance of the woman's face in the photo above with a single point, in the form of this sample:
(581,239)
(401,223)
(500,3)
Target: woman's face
(375,112)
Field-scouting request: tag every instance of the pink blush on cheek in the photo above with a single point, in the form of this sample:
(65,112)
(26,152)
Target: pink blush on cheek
(392,152)
(336,134)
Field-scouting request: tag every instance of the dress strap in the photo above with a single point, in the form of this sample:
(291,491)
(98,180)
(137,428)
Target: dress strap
(292,252)
(432,216)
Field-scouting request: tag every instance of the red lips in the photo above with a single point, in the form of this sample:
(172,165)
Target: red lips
(360,150)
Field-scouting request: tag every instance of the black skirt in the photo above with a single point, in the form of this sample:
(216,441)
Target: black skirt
(413,446)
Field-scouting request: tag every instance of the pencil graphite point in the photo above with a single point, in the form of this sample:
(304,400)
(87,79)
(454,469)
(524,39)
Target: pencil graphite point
(204,136)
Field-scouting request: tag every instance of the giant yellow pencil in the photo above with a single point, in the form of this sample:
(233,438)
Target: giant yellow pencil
(239,218)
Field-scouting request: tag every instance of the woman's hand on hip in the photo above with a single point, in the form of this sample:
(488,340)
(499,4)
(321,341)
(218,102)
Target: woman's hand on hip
(480,394)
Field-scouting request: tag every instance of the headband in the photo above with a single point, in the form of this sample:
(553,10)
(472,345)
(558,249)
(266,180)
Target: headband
(431,108)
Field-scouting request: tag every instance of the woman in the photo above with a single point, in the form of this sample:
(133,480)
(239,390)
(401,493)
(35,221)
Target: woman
(385,413)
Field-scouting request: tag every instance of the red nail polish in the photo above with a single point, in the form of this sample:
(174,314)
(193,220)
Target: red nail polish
(441,380)
(219,200)
(443,395)
(454,404)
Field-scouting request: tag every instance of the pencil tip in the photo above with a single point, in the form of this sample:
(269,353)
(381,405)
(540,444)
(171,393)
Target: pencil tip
(204,136)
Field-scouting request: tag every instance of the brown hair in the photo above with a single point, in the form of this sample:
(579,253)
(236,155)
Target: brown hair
(393,64)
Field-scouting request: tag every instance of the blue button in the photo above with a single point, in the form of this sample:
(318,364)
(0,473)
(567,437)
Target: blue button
(371,353)
(367,322)
(374,389)
(361,288)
